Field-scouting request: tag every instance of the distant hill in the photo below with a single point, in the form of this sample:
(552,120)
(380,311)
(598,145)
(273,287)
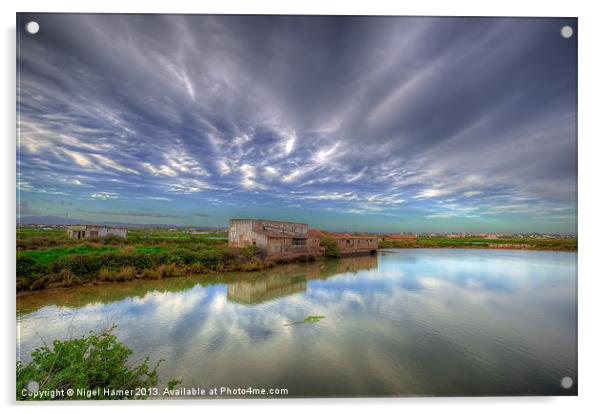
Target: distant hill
(52,220)
(57,220)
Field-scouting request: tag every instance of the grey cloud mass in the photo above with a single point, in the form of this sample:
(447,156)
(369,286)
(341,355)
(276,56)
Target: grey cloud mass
(413,123)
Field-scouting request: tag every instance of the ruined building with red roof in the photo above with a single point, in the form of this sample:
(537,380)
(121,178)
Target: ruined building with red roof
(288,240)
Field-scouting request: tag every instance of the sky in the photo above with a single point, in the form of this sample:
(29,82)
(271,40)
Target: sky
(389,124)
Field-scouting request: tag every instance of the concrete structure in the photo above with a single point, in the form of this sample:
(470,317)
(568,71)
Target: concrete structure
(350,244)
(400,237)
(356,243)
(277,239)
(85,231)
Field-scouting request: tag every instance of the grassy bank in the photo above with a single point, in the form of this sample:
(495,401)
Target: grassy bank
(47,258)
(563,244)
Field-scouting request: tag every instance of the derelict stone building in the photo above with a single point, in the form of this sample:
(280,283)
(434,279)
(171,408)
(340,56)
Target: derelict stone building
(350,244)
(277,239)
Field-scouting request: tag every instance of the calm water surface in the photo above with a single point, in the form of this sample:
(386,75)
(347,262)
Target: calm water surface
(405,322)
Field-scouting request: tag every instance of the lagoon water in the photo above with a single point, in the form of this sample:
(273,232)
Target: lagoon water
(402,323)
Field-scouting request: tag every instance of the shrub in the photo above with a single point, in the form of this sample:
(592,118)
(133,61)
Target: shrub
(183,256)
(83,265)
(112,239)
(396,244)
(94,362)
(89,262)
(67,278)
(127,273)
(28,271)
(254,263)
(172,270)
(196,268)
(211,259)
(129,250)
(162,271)
(138,260)
(331,247)
(39,283)
(106,274)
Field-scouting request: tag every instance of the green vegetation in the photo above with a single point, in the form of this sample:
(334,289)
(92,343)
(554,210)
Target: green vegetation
(48,258)
(563,244)
(94,362)
(331,246)
(309,319)
(36,238)
(52,254)
(151,249)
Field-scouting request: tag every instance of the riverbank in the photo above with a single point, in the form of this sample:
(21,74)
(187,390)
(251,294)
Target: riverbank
(48,259)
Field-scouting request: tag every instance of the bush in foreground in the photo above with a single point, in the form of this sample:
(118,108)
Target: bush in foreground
(96,361)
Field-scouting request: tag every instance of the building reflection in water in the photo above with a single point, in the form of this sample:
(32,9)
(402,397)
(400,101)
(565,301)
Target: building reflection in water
(242,287)
(266,288)
(289,279)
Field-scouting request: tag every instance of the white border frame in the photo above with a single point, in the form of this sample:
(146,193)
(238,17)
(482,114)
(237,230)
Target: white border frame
(590,68)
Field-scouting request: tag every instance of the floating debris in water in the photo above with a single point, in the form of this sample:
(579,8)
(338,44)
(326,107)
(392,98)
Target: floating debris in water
(309,319)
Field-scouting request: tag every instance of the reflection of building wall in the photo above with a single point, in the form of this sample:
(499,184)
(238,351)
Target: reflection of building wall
(292,278)
(266,288)
(357,263)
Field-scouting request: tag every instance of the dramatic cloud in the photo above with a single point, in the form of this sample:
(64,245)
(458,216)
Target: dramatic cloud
(134,214)
(421,124)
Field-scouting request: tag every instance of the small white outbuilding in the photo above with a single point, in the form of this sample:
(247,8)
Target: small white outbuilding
(85,231)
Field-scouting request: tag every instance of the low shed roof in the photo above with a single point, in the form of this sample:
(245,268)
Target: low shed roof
(320,233)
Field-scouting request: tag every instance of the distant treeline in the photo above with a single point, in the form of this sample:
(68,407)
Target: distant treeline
(564,244)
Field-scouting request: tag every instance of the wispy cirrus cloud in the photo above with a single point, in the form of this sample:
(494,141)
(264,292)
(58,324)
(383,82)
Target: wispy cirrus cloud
(242,114)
